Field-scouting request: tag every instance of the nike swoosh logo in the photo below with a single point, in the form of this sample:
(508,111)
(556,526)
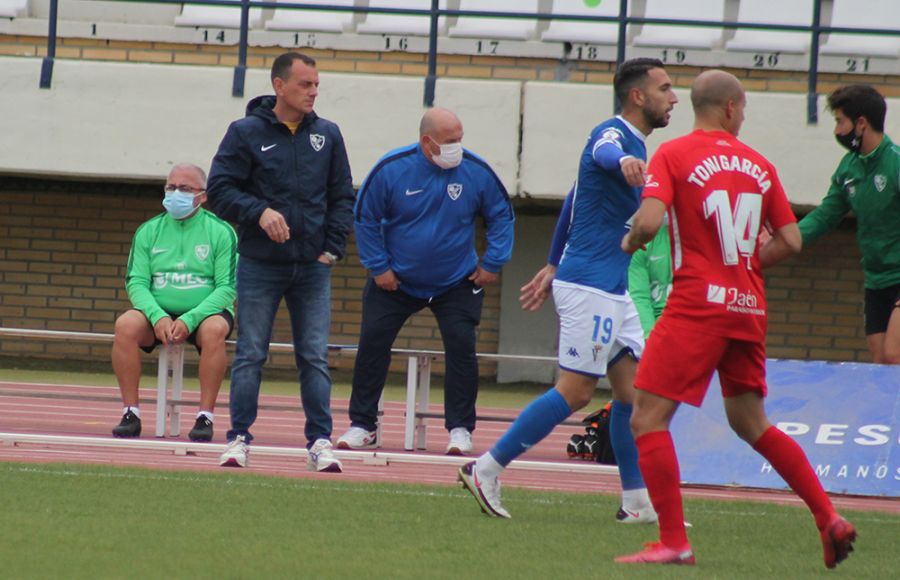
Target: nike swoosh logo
(408,192)
(155,251)
(265,148)
(655,258)
(477,290)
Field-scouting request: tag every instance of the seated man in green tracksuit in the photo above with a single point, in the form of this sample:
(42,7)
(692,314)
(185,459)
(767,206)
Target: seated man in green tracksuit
(181,283)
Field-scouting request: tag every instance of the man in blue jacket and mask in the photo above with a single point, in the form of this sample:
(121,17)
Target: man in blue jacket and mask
(282,174)
(415,222)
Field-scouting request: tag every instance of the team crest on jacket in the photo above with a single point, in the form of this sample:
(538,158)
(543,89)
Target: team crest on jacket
(201,251)
(453,190)
(880,182)
(317,141)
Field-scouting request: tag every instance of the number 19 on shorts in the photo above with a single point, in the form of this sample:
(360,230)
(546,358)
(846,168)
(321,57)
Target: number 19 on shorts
(604,324)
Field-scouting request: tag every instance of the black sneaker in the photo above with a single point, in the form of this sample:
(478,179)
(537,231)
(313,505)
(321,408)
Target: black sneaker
(130,426)
(203,429)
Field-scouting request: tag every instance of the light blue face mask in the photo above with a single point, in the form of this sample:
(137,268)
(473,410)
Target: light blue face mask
(179,204)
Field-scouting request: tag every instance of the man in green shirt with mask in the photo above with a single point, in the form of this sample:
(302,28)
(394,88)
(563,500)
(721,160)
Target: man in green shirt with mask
(867,181)
(181,283)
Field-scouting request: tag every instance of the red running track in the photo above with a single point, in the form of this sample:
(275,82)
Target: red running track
(58,412)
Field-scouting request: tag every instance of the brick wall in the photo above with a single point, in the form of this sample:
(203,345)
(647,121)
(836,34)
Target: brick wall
(64,248)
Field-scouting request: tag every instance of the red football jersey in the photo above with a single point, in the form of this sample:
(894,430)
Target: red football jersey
(719,193)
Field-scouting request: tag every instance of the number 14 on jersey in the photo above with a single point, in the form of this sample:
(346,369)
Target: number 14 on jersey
(737,229)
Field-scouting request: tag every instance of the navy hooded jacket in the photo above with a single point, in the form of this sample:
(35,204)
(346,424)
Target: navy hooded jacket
(303,176)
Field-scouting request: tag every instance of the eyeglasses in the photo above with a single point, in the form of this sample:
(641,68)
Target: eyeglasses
(170,187)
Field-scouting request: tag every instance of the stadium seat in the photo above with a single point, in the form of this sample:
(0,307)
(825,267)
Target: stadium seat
(876,14)
(682,36)
(798,12)
(401,24)
(136,13)
(312,20)
(216,17)
(588,32)
(13,8)
(496,28)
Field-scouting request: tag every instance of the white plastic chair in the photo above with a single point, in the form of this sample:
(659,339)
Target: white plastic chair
(588,32)
(401,24)
(682,36)
(104,12)
(312,20)
(216,17)
(798,12)
(499,28)
(867,14)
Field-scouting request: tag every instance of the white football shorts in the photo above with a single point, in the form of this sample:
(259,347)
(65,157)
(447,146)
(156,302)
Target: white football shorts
(595,327)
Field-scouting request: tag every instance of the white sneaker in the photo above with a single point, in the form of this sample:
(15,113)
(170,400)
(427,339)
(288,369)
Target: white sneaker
(321,458)
(358,438)
(460,441)
(644,515)
(236,453)
(485,491)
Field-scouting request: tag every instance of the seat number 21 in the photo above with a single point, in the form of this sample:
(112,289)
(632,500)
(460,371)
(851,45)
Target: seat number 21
(737,229)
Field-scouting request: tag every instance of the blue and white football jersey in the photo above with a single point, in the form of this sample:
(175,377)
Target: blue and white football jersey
(602,209)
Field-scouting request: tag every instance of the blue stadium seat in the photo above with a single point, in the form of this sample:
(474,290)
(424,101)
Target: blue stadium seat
(682,36)
(798,12)
(401,24)
(496,28)
(868,14)
(312,20)
(587,32)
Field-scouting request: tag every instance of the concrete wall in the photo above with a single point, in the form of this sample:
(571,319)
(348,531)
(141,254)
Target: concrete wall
(134,120)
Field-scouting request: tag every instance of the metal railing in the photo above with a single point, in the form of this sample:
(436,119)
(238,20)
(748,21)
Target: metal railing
(815,29)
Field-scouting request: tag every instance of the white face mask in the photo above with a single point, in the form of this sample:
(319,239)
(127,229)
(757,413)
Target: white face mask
(451,155)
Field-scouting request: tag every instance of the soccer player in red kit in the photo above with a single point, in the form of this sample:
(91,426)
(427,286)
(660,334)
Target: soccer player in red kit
(720,194)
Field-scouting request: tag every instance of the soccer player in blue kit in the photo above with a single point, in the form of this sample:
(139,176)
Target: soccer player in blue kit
(600,332)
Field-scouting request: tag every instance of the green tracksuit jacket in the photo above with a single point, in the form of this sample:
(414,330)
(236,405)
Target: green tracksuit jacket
(870,186)
(650,279)
(183,269)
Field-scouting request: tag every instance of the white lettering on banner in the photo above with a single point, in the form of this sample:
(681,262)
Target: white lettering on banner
(826,434)
(843,471)
(836,433)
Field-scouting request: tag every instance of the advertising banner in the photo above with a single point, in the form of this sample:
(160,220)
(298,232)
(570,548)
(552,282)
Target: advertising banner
(845,416)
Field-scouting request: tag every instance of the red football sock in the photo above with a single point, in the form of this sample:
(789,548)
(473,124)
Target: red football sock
(792,465)
(659,466)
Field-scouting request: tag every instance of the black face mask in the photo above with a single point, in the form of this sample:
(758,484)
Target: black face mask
(849,140)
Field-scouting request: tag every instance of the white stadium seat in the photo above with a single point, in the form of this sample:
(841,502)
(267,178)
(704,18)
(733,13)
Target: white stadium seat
(216,17)
(798,12)
(497,28)
(682,36)
(401,24)
(13,8)
(868,14)
(312,20)
(588,32)
(133,13)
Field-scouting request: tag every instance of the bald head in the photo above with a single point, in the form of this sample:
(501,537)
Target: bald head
(189,174)
(718,100)
(437,121)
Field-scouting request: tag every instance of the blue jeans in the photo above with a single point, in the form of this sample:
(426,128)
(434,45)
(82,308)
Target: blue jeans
(306,288)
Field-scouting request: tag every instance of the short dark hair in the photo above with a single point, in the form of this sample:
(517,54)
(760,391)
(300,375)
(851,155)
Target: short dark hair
(856,101)
(632,73)
(281,68)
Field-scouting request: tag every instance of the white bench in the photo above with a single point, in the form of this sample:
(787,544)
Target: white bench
(170,372)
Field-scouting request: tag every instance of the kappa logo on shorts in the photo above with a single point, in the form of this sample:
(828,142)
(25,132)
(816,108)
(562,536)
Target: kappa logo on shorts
(317,141)
(201,251)
(454,190)
(572,352)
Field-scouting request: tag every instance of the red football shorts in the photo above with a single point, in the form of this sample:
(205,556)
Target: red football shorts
(679,362)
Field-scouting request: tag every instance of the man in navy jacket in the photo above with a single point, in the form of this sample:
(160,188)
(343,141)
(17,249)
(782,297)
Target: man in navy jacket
(281,173)
(415,219)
